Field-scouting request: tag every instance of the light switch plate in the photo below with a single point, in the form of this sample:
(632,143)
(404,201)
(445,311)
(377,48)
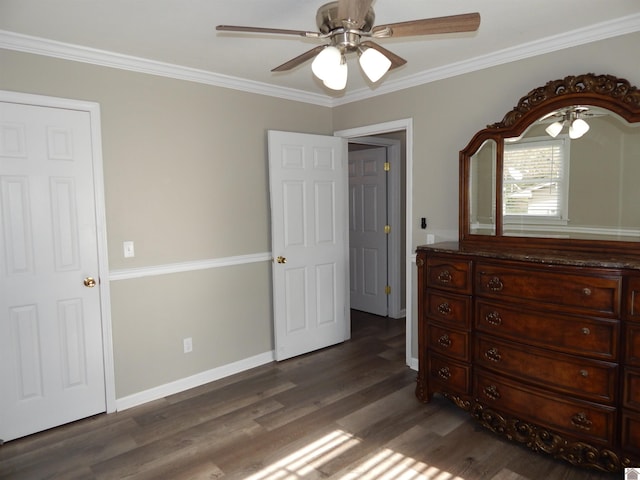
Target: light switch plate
(128,249)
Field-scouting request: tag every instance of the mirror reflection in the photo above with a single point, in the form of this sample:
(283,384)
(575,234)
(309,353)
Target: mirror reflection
(482,187)
(573,174)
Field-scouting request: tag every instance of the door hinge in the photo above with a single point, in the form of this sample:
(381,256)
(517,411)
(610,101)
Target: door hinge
(387,229)
(387,166)
(387,290)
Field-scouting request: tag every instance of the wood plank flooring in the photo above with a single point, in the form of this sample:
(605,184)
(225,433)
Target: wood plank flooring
(345,412)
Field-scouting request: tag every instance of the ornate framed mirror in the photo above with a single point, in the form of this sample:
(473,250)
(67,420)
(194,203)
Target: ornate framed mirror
(560,171)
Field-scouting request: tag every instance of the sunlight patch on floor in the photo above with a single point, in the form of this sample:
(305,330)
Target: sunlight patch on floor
(307,458)
(384,465)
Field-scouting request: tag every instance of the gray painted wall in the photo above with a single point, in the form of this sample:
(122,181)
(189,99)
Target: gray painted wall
(186,178)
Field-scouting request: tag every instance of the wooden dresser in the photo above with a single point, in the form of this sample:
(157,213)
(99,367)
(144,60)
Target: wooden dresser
(531,321)
(542,347)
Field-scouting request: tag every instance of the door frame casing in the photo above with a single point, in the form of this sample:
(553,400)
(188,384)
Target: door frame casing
(93,109)
(405,124)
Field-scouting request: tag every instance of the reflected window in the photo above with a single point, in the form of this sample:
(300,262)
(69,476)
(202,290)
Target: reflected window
(535,180)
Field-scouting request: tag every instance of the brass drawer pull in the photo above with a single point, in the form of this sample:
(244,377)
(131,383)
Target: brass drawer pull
(585,331)
(444,373)
(586,292)
(445,276)
(495,284)
(445,341)
(581,421)
(492,392)
(584,373)
(493,355)
(493,318)
(444,309)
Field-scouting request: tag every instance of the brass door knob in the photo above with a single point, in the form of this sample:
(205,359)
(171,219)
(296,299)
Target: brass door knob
(89,282)
(281,260)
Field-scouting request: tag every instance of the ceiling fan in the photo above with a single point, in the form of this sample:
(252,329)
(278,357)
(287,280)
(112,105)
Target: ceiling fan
(348,25)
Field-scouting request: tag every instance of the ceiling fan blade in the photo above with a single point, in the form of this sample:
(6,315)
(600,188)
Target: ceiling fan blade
(396,61)
(294,62)
(281,31)
(354,11)
(466,22)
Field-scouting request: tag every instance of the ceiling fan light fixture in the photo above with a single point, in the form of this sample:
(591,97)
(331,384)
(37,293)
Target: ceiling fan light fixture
(554,129)
(326,62)
(578,128)
(374,64)
(337,78)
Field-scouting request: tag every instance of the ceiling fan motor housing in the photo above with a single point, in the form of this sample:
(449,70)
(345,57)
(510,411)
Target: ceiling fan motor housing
(328,20)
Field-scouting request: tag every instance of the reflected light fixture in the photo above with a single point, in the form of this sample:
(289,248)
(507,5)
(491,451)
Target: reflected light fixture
(577,126)
(330,66)
(555,128)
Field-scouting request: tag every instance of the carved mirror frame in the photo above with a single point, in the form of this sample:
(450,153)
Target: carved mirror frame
(606,91)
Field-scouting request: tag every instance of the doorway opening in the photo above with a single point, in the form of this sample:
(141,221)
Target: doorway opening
(398,136)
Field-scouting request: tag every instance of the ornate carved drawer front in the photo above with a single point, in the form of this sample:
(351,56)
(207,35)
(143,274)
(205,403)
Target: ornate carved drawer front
(631,397)
(449,309)
(449,274)
(597,338)
(583,420)
(589,379)
(453,376)
(632,339)
(563,290)
(449,342)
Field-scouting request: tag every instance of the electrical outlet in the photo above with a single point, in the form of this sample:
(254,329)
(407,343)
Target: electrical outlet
(187,344)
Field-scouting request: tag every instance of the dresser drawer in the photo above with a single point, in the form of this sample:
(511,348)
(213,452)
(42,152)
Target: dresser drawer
(631,388)
(597,338)
(449,309)
(559,289)
(449,342)
(584,420)
(449,273)
(631,433)
(454,377)
(589,379)
(632,344)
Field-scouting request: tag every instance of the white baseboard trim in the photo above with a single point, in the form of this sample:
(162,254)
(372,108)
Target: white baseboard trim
(414,364)
(193,381)
(401,314)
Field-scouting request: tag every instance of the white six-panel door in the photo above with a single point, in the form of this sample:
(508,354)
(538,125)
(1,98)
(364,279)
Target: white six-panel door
(308,186)
(367,236)
(51,350)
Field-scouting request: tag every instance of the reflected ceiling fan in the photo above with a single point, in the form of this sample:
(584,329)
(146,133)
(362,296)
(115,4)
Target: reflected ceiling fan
(348,27)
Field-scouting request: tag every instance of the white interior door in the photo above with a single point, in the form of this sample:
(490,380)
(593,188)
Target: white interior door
(308,185)
(51,350)
(367,236)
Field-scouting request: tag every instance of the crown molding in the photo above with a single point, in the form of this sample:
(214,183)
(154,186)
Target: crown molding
(66,51)
(41,46)
(574,38)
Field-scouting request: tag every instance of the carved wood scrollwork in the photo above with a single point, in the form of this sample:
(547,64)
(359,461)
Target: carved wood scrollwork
(542,440)
(604,85)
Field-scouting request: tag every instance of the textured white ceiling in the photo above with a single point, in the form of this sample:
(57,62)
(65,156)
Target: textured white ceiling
(182,32)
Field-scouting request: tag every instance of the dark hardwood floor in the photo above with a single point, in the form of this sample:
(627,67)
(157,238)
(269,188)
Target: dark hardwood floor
(346,412)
